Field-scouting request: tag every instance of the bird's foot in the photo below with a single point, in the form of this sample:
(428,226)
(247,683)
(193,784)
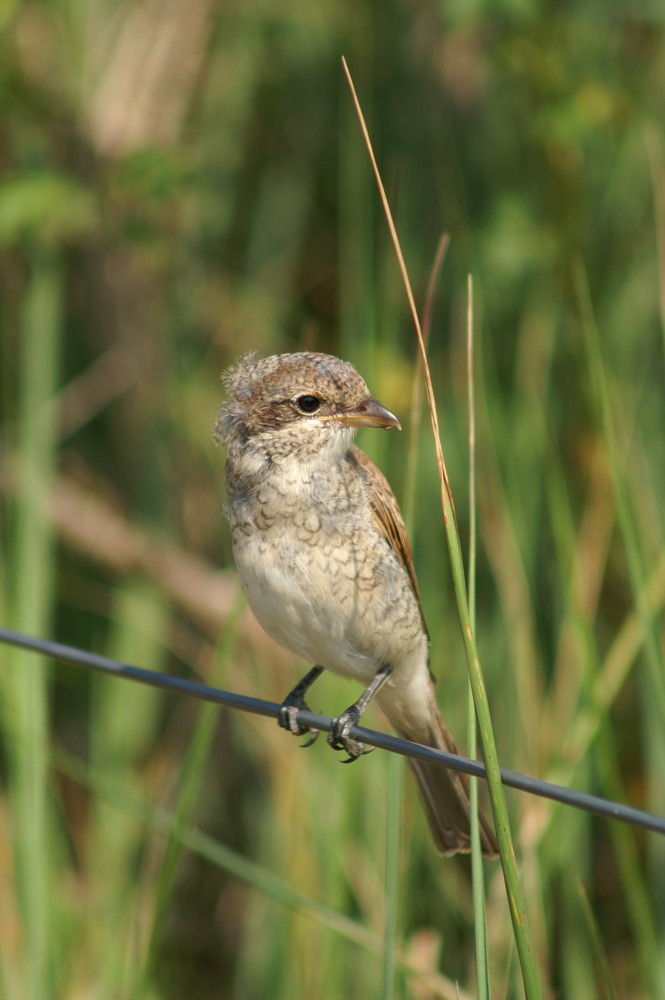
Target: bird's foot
(294,703)
(339,738)
(288,717)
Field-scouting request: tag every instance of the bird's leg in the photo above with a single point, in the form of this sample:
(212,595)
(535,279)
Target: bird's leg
(294,702)
(338,737)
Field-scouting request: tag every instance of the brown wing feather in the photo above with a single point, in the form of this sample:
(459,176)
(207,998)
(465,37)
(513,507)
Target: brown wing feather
(444,793)
(387,517)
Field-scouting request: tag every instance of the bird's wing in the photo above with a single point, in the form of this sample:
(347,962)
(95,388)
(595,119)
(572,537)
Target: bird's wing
(387,517)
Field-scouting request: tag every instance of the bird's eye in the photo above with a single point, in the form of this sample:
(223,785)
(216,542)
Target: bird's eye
(308,404)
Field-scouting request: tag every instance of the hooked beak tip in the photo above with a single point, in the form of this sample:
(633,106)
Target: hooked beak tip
(368,413)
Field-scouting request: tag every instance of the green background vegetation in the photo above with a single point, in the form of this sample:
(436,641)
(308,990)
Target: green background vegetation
(185,182)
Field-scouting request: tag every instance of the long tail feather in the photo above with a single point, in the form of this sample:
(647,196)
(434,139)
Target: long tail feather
(445,795)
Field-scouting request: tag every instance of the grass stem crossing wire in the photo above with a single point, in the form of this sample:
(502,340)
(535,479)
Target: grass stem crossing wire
(192,689)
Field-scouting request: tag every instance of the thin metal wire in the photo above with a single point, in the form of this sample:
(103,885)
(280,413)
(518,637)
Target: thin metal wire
(534,786)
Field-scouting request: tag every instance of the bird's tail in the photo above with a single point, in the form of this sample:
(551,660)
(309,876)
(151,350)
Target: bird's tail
(445,794)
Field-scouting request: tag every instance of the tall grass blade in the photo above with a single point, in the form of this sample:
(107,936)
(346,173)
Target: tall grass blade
(392,878)
(497,798)
(596,941)
(478,881)
(33,575)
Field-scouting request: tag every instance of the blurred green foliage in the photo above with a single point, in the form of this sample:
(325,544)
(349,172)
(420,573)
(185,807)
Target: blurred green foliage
(183,183)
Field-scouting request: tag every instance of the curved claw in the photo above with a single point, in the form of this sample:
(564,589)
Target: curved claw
(352,747)
(356,751)
(315,733)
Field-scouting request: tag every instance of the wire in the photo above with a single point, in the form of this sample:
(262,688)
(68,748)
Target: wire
(513,779)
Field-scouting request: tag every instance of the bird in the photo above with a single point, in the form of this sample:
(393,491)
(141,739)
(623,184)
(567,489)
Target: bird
(323,557)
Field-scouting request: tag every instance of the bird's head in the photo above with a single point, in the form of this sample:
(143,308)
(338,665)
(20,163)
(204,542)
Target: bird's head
(296,406)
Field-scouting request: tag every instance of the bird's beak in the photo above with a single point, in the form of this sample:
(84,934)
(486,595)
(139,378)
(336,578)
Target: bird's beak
(369,413)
